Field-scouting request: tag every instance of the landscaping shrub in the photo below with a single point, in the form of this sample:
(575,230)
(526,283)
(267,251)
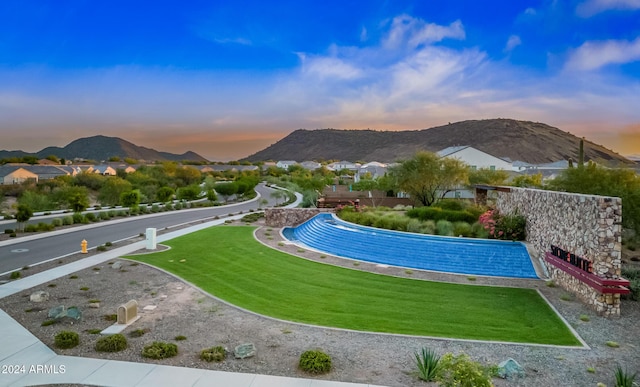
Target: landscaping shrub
(101,248)
(633,275)
(427,361)
(250,218)
(103,215)
(216,354)
(414,225)
(450,204)
(315,362)
(624,378)
(15,275)
(506,227)
(178,206)
(428,227)
(478,231)
(112,343)
(462,229)
(77,218)
(139,332)
(8,231)
(160,350)
(12,235)
(67,221)
(111,214)
(45,226)
(66,339)
(56,222)
(30,228)
(461,371)
(91,217)
(444,227)
(437,213)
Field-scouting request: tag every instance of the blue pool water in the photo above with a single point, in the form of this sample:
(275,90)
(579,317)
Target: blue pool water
(326,232)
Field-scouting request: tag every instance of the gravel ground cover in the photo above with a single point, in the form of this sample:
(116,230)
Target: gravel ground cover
(182,310)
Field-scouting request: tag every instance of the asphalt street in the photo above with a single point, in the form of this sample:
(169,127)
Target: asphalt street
(19,253)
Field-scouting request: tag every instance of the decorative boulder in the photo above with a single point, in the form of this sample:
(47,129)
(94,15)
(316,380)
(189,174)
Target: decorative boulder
(39,296)
(244,351)
(74,313)
(510,369)
(116,265)
(57,312)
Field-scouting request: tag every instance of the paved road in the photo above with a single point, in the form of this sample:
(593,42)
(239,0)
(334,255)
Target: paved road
(29,252)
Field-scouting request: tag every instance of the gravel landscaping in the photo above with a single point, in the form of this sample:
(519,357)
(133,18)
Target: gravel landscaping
(205,322)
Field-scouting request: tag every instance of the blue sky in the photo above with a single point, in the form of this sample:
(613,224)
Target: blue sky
(226,79)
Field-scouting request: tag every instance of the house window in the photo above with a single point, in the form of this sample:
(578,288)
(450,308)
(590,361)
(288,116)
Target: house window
(492,167)
(474,167)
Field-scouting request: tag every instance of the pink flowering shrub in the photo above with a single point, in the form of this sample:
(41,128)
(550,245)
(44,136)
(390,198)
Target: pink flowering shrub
(506,227)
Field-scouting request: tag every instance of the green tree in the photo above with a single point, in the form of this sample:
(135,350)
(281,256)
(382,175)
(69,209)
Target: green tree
(488,176)
(164,194)
(73,197)
(226,190)
(277,194)
(618,182)
(187,176)
(36,201)
(190,192)
(528,181)
(23,214)
(130,199)
(427,178)
(212,196)
(111,192)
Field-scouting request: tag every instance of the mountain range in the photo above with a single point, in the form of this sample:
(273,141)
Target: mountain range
(103,148)
(531,142)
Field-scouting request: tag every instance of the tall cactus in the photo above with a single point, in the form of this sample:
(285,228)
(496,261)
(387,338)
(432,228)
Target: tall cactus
(581,154)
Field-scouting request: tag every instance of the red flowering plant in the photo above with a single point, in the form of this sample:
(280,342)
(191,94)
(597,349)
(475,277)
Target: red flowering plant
(506,227)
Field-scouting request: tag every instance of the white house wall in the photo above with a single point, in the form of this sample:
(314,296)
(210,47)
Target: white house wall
(479,159)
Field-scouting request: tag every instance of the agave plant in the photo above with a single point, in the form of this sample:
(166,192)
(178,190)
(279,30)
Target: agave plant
(427,361)
(623,378)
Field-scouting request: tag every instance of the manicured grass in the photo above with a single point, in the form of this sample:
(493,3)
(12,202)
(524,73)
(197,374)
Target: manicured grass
(228,263)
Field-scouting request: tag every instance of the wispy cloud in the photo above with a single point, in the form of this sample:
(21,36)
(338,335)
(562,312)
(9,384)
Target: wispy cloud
(241,41)
(590,8)
(593,55)
(413,32)
(513,42)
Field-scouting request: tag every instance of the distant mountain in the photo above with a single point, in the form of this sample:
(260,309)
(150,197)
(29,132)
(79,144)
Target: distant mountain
(102,148)
(531,142)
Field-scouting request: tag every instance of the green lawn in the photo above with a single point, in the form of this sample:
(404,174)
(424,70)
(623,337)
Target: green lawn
(229,263)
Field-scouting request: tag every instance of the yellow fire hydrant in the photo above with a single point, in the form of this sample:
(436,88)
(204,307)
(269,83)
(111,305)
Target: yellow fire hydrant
(83,246)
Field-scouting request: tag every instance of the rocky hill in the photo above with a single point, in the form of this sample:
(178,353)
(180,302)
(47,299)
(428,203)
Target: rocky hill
(102,148)
(531,142)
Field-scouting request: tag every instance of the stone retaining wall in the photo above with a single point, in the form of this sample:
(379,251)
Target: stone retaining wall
(288,217)
(589,226)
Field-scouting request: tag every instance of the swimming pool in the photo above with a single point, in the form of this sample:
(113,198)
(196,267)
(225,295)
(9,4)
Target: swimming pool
(326,232)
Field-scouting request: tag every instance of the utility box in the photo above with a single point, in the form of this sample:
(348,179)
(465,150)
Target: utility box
(151,238)
(128,313)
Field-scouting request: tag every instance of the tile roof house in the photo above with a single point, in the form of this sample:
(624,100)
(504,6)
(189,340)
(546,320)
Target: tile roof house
(285,164)
(15,174)
(104,170)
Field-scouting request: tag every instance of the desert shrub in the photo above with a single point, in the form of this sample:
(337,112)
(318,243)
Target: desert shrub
(159,350)
(178,206)
(478,231)
(633,275)
(91,217)
(462,228)
(461,371)
(42,226)
(103,215)
(437,213)
(506,227)
(180,338)
(101,248)
(168,207)
(444,227)
(122,213)
(12,235)
(67,220)
(15,275)
(112,343)
(8,231)
(428,227)
(216,354)
(315,362)
(111,214)
(450,204)
(66,339)
(139,332)
(427,362)
(30,228)
(155,208)
(250,218)
(77,218)
(46,323)
(414,225)
(56,222)
(108,244)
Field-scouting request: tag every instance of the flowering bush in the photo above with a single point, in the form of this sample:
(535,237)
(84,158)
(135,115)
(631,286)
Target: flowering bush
(506,227)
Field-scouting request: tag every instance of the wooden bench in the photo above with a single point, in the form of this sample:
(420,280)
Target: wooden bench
(602,285)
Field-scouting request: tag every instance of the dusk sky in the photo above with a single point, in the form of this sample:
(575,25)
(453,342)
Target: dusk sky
(228,78)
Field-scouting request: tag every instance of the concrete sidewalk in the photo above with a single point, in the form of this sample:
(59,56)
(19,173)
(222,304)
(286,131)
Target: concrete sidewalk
(26,361)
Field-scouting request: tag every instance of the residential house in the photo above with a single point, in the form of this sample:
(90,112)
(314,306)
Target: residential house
(475,158)
(47,172)
(310,165)
(104,170)
(15,174)
(371,170)
(285,164)
(340,165)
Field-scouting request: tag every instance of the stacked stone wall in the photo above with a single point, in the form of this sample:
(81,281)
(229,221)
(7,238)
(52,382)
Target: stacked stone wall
(589,226)
(288,217)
